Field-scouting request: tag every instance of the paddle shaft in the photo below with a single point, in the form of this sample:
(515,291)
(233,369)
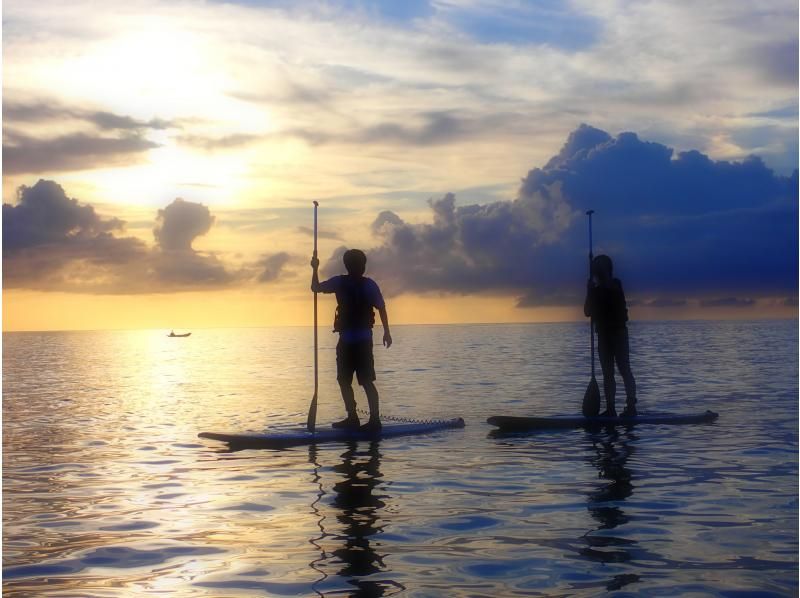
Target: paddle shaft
(591,257)
(312,410)
(316,347)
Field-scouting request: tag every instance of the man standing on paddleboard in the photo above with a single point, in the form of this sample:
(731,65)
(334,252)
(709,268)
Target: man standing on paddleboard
(605,304)
(356,296)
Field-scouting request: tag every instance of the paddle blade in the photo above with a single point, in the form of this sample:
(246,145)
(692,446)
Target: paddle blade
(312,415)
(591,399)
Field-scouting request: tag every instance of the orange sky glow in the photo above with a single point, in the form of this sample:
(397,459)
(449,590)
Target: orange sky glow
(247,113)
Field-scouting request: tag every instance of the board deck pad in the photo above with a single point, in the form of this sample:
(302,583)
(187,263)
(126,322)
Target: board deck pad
(300,436)
(524,424)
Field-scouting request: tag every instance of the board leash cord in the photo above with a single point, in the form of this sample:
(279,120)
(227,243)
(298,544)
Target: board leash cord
(404,420)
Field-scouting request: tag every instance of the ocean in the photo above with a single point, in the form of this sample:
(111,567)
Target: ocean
(107,491)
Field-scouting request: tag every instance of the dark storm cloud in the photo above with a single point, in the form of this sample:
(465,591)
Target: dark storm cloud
(79,151)
(271,266)
(53,242)
(467,249)
(672,223)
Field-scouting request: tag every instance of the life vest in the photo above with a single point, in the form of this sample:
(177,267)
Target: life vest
(354,310)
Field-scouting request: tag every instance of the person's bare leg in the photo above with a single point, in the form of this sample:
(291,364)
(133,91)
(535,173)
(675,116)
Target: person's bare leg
(622,353)
(374,403)
(348,396)
(606,354)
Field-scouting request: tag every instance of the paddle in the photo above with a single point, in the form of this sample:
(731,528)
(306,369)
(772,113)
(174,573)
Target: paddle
(591,398)
(312,410)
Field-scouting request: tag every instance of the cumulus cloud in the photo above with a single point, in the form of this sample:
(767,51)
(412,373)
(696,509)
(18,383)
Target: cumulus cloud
(45,215)
(467,249)
(673,224)
(49,238)
(180,223)
(53,242)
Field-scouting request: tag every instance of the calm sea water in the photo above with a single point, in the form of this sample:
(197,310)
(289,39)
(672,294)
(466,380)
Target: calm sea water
(109,492)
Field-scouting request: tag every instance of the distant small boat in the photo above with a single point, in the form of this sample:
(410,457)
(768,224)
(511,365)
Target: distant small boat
(173,335)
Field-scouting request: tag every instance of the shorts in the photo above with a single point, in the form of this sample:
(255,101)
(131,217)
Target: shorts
(355,357)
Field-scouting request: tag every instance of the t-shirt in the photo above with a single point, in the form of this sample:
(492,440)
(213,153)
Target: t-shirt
(345,286)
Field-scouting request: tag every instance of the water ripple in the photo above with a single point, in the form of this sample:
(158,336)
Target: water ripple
(108,491)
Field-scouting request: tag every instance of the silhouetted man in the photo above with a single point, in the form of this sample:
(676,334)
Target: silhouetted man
(605,303)
(356,296)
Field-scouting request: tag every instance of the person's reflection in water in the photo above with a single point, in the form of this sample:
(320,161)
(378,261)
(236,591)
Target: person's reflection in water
(357,511)
(612,450)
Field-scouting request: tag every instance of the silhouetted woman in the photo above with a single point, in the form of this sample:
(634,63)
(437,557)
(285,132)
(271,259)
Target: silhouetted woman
(605,304)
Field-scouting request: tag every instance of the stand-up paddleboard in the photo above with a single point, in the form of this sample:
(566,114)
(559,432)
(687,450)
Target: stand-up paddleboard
(525,424)
(300,436)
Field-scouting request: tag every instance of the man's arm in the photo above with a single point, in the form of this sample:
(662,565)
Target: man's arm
(326,286)
(587,304)
(387,336)
(315,274)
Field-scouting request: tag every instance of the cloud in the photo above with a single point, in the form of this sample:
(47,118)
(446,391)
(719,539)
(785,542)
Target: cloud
(104,138)
(322,234)
(180,223)
(215,143)
(777,61)
(48,237)
(177,263)
(658,303)
(673,224)
(53,242)
(784,112)
(44,215)
(39,112)
(728,302)
(78,151)
(423,129)
(190,270)
(467,249)
(272,266)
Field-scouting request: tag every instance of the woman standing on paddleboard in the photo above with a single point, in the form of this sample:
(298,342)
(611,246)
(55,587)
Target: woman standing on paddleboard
(605,304)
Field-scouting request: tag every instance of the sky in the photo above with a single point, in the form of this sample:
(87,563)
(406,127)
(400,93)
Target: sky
(160,159)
